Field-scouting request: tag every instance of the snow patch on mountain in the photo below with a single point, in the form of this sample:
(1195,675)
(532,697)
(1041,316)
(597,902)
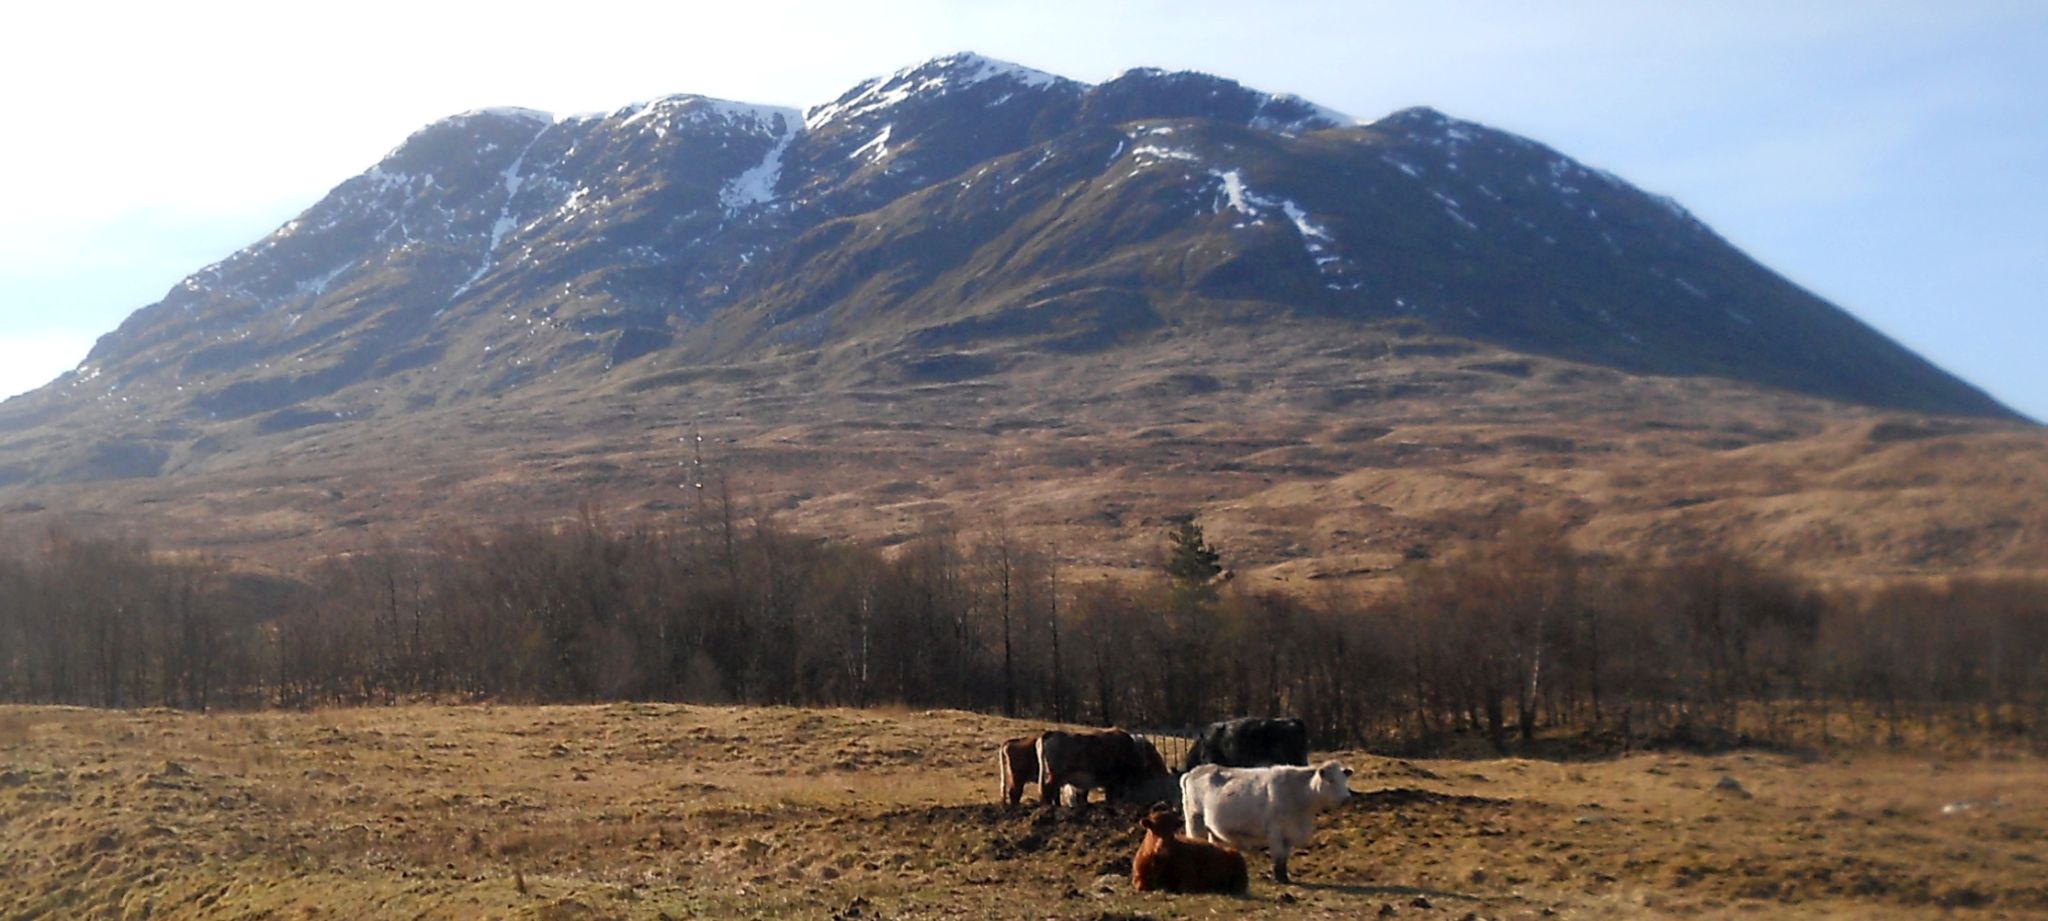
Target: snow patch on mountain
(513,179)
(1677,210)
(532,117)
(756,186)
(875,149)
(968,68)
(935,77)
(1236,194)
(383,181)
(1312,233)
(770,118)
(1452,208)
(1289,114)
(648,110)
(1156,152)
(1315,238)
(513,112)
(660,115)
(314,287)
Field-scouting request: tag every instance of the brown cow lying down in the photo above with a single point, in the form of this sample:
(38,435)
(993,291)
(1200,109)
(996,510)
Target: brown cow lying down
(1110,760)
(1171,862)
(1017,761)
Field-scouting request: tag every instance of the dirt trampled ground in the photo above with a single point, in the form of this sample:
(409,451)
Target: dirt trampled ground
(652,811)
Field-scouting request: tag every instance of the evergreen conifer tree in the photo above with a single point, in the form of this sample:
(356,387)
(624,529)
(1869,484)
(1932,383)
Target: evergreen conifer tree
(1192,563)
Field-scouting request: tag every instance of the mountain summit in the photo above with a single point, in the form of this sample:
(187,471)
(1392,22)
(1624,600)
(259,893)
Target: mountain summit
(959,222)
(963,200)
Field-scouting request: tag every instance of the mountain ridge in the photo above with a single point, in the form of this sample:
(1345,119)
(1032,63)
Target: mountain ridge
(812,158)
(957,232)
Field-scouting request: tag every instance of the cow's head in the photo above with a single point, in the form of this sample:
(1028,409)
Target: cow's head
(1161,822)
(1332,782)
(1157,788)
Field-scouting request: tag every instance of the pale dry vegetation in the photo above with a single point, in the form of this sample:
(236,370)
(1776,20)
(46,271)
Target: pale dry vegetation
(1423,451)
(650,811)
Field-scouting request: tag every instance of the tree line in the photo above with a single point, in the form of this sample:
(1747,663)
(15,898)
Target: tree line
(1513,644)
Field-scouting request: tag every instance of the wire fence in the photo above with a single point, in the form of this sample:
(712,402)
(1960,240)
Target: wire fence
(1172,744)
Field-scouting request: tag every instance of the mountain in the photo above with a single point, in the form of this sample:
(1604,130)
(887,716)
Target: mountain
(965,226)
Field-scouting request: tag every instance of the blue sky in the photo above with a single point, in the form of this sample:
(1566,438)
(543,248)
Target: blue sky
(1891,157)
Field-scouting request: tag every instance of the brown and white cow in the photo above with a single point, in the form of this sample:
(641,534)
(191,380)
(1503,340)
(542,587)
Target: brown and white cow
(1168,861)
(1270,807)
(1017,763)
(1110,760)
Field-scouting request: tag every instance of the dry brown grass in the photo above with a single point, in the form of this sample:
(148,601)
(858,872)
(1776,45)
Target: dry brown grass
(646,811)
(1081,456)
(14,726)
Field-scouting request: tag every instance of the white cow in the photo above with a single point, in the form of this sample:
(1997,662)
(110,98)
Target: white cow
(1271,807)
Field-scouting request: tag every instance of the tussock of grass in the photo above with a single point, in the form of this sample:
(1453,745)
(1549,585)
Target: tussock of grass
(14,725)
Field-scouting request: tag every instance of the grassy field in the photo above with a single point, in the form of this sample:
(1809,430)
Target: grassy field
(653,811)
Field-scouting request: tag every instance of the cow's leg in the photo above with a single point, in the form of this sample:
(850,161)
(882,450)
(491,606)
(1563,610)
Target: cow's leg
(1279,844)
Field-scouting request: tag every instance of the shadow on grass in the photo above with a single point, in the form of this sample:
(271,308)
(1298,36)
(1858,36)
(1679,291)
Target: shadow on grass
(1386,890)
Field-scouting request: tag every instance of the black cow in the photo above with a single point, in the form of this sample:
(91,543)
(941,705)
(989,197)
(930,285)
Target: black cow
(1250,742)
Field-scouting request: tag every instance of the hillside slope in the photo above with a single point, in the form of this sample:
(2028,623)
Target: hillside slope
(1160,294)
